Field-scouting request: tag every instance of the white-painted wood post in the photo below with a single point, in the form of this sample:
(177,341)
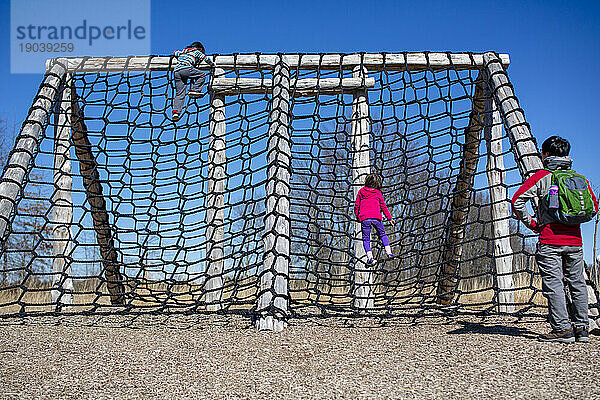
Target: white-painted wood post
(62,204)
(500,208)
(273,300)
(363,297)
(215,203)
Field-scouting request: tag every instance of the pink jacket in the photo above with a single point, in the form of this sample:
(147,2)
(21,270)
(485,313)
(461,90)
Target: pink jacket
(369,204)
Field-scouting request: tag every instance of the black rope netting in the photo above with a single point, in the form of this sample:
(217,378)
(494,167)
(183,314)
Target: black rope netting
(173,215)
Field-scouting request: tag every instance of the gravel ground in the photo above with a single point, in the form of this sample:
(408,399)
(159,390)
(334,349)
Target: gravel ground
(208,357)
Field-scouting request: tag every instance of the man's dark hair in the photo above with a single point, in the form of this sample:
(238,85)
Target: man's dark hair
(374,181)
(556,146)
(198,46)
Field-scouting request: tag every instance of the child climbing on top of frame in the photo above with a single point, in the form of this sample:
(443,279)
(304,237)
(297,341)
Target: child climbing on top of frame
(188,61)
(368,207)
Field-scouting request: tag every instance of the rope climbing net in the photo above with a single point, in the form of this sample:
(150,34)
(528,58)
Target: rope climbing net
(246,203)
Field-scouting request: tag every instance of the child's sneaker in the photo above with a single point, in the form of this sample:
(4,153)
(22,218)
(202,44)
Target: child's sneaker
(194,94)
(582,334)
(562,336)
(371,261)
(176,116)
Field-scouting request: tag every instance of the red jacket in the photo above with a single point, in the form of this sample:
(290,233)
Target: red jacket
(555,233)
(369,204)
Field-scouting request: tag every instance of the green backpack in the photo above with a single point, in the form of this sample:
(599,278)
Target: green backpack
(575,203)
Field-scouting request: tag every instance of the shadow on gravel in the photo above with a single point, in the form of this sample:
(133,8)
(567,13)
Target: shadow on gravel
(470,328)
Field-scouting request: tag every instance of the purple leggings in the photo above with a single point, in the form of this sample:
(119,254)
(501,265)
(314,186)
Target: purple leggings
(366,232)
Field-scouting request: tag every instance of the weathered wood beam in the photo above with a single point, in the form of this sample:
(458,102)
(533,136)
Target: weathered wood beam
(461,197)
(27,141)
(93,190)
(500,207)
(62,204)
(273,300)
(363,297)
(215,203)
(526,153)
(371,61)
(298,87)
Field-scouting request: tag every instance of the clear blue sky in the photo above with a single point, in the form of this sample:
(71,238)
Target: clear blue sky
(554,48)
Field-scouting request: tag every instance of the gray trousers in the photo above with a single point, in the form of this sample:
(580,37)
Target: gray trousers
(556,263)
(181,80)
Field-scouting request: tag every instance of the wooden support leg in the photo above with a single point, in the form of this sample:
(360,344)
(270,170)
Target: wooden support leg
(273,301)
(500,208)
(527,155)
(461,197)
(215,215)
(93,189)
(62,205)
(363,296)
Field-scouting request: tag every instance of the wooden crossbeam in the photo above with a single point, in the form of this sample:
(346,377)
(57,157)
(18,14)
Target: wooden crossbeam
(370,61)
(298,87)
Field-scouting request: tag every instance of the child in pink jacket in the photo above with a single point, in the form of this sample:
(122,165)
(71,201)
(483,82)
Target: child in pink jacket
(368,207)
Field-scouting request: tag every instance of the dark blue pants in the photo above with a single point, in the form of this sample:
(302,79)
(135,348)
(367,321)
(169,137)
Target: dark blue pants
(366,232)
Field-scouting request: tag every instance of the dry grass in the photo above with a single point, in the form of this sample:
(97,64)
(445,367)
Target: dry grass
(91,295)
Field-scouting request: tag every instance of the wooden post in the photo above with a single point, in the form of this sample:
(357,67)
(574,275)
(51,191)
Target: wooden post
(500,207)
(27,141)
(215,215)
(62,204)
(93,190)
(363,297)
(526,153)
(461,197)
(273,300)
